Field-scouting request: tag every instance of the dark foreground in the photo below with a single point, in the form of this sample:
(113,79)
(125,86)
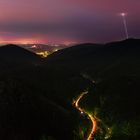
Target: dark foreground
(36,94)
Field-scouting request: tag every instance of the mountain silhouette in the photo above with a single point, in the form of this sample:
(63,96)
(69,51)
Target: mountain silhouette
(17,54)
(14,57)
(38,98)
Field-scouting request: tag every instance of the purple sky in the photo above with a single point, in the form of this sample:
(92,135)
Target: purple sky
(63,21)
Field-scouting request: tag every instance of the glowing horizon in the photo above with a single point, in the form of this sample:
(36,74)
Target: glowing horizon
(35,41)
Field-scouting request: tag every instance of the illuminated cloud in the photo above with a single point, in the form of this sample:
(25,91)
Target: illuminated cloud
(65,20)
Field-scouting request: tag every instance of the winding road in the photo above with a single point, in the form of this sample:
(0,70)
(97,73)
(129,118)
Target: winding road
(92,119)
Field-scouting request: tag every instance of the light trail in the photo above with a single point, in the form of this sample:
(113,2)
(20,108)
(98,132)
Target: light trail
(93,120)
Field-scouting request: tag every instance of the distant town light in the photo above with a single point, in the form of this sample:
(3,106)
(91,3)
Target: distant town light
(43,54)
(34,46)
(55,50)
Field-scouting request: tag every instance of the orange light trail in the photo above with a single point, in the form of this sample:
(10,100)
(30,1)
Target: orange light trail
(93,120)
(94,126)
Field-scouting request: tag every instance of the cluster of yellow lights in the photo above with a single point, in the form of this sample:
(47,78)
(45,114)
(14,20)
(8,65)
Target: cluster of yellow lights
(43,54)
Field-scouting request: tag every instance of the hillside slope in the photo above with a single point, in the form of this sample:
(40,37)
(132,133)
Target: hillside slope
(115,67)
(46,91)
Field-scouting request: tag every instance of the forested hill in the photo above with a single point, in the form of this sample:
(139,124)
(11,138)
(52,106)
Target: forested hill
(36,94)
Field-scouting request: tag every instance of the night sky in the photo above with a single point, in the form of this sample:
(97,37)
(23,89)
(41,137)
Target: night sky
(67,21)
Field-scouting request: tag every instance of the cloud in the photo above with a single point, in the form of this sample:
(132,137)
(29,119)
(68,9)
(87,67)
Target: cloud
(81,20)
